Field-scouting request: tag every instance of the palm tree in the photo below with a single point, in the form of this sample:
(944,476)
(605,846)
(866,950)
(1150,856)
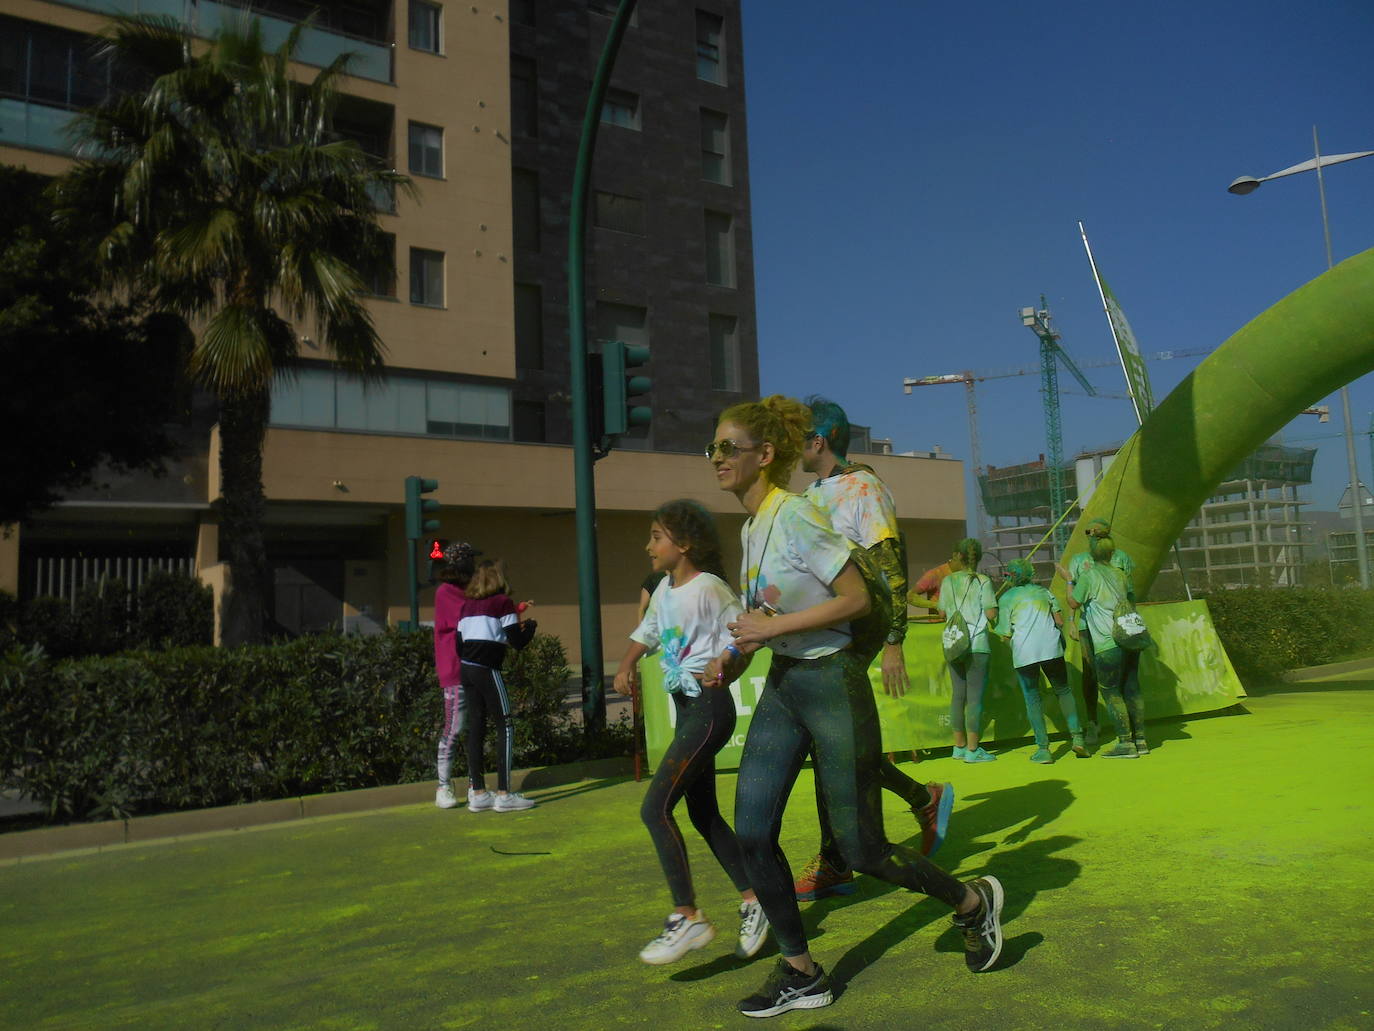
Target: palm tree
(231,202)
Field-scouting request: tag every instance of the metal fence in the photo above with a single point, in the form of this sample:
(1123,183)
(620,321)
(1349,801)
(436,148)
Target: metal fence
(65,577)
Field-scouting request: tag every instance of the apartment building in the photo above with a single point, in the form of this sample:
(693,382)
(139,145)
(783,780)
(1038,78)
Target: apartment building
(482,105)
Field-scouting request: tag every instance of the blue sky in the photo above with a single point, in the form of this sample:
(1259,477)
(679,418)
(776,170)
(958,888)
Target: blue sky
(918,171)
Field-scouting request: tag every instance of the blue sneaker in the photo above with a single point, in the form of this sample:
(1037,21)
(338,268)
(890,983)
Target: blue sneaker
(1042,756)
(979,755)
(933,817)
(960,753)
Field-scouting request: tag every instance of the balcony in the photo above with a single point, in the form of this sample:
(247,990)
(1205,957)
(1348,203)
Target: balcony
(34,126)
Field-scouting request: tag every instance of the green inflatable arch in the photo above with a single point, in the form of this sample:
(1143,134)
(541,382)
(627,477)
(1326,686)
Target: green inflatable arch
(1315,340)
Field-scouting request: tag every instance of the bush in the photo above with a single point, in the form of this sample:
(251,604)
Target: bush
(1268,631)
(174,611)
(186,728)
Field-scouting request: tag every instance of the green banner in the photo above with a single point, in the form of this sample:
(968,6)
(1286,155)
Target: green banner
(1186,671)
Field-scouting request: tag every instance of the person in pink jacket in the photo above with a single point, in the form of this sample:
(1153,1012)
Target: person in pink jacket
(454,572)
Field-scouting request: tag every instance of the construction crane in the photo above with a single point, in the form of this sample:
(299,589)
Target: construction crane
(1037,320)
(968,378)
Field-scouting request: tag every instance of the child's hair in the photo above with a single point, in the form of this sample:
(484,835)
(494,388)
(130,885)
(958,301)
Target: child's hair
(970,550)
(1102,549)
(1097,528)
(829,421)
(489,579)
(777,420)
(1020,572)
(693,528)
(458,563)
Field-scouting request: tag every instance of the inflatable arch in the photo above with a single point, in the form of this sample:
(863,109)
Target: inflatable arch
(1315,340)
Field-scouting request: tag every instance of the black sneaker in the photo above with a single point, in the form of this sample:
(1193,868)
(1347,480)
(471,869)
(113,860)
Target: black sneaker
(787,988)
(982,929)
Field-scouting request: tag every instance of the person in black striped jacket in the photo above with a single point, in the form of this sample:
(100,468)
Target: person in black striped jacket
(488,623)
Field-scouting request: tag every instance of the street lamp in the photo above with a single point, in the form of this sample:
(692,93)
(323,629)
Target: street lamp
(1249,184)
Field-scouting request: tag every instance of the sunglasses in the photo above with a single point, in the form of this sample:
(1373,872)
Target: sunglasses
(727,448)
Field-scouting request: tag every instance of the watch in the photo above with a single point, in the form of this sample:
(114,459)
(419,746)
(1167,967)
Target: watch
(893,637)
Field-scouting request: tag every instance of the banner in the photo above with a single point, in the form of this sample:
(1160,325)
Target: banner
(1186,671)
(1127,348)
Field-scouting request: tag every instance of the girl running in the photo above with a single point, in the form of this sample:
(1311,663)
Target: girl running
(457,562)
(1100,588)
(489,622)
(801,590)
(1031,619)
(686,619)
(969,593)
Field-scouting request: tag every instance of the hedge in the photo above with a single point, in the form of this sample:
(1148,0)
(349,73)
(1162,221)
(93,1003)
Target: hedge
(1270,630)
(153,731)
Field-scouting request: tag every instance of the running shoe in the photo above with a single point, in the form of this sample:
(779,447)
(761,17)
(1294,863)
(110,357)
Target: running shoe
(680,936)
(1142,747)
(1079,749)
(444,798)
(1091,735)
(787,988)
(1121,750)
(753,930)
(820,880)
(512,802)
(959,752)
(979,755)
(982,928)
(933,817)
(480,801)
(1042,756)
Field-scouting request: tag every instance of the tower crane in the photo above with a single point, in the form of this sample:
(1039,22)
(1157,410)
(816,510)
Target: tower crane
(969,377)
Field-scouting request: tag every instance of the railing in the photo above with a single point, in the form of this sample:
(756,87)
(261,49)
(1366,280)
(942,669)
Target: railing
(65,577)
(35,126)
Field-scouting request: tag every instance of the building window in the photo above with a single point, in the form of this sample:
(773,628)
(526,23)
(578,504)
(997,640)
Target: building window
(710,50)
(424,27)
(625,322)
(529,326)
(621,108)
(524,97)
(323,398)
(525,208)
(720,249)
(381,278)
(715,147)
(426,150)
(725,374)
(427,277)
(623,214)
(529,422)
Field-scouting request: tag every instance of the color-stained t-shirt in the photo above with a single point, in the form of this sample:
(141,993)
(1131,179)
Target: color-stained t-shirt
(1026,613)
(929,584)
(791,556)
(689,624)
(1083,560)
(859,505)
(972,595)
(1100,589)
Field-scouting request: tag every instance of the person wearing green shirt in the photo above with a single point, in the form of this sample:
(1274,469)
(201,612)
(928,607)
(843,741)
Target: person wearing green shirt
(1030,619)
(1099,589)
(1083,560)
(970,593)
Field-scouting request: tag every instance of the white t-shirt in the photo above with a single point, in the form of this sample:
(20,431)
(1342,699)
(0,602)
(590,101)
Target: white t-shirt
(1027,614)
(688,623)
(791,556)
(972,595)
(859,506)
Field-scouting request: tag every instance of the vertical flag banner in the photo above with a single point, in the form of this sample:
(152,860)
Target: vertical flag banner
(1132,362)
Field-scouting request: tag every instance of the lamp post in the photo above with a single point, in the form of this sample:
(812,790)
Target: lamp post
(1249,184)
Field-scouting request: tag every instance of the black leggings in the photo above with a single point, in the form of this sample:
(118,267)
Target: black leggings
(912,792)
(704,725)
(1118,671)
(827,702)
(1089,679)
(484,693)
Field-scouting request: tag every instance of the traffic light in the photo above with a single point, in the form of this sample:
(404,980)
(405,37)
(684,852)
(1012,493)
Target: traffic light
(436,555)
(620,388)
(418,507)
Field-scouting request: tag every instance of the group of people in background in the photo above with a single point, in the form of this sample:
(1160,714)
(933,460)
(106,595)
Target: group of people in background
(822,584)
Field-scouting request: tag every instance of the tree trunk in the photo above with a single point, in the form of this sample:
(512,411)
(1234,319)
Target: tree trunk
(242,428)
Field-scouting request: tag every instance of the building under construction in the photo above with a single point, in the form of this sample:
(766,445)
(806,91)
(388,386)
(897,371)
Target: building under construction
(1249,532)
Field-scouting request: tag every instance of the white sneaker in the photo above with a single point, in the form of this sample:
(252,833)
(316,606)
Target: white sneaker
(753,929)
(479,801)
(444,798)
(512,802)
(680,936)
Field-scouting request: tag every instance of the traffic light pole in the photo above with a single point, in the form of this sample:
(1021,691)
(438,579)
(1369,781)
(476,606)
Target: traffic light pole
(588,580)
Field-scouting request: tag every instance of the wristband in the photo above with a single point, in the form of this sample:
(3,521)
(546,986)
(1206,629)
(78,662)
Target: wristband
(734,651)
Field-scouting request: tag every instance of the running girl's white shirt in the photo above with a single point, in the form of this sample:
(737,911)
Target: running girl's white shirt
(689,624)
(1027,614)
(972,595)
(1100,589)
(792,555)
(859,506)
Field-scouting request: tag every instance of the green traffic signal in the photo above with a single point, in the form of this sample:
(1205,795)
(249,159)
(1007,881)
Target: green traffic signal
(619,387)
(418,507)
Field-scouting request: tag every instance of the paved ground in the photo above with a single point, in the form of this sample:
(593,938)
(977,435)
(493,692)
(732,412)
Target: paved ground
(1222,882)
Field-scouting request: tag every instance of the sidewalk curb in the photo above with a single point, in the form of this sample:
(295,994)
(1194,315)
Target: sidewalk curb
(45,842)
(1331,669)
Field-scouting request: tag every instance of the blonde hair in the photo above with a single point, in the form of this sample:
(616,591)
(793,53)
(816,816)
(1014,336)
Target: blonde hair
(777,420)
(489,579)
